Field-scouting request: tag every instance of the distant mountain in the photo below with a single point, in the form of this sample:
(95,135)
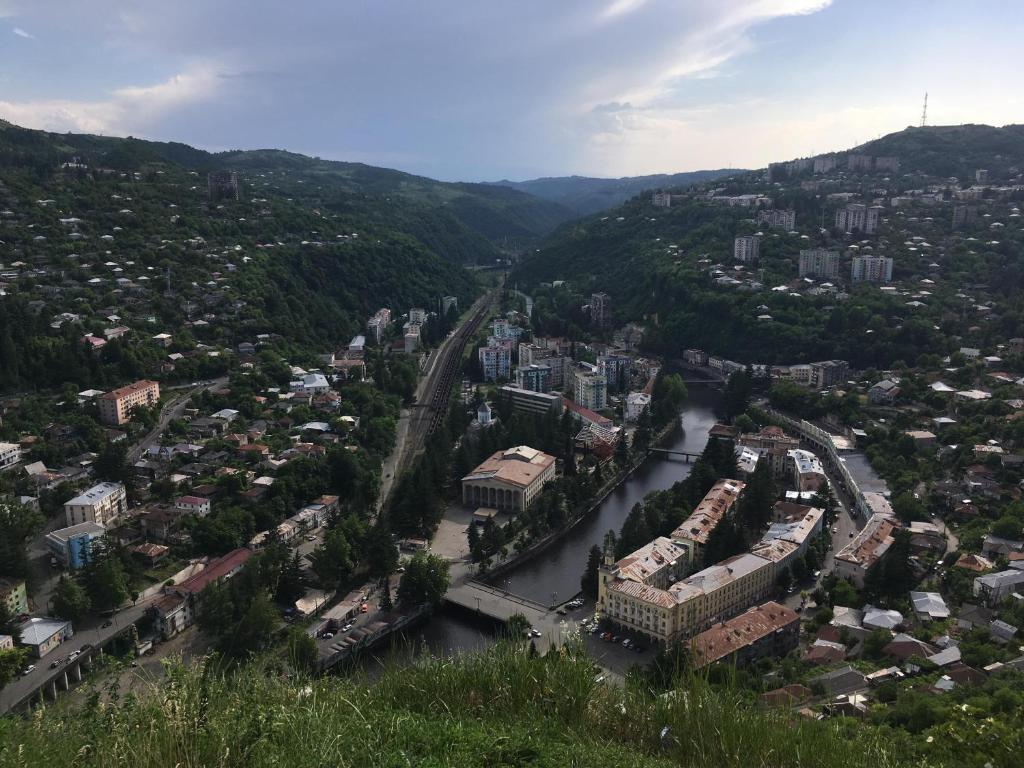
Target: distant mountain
(953,150)
(585,195)
(461,220)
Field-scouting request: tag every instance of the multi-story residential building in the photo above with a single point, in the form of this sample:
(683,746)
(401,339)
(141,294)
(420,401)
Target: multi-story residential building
(14,596)
(501,328)
(773,446)
(687,607)
(868,547)
(964,215)
(495,360)
(103,504)
(856,162)
(601,309)
(558,365)
(508,480)
(777,218)
(824,164)
(871,269)
(819,262)
(692,534)
(661,199)
(377,326)
(590,390)
(993,588)
(117,405)
(787,540)
(636,403)
(181,602)
(829,373)
(617,370)
(417,315)
(71,546)
(199,506)
(536,378)
(525,401)
(411,339)
(857,216)
(766,630)
(695,357)
(808,473)
(887,164)
(10,454)
(746,248)
(533,353)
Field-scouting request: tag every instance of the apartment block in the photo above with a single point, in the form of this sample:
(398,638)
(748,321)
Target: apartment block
(495,361)
(692,534)
(871,269)
(601,309)
(766,630)
(869,546)
(590,390)
(116,406)
(536,378)
(10,454)
(746,248)
(103,504)
(858,217)
(819,262)
(777,218)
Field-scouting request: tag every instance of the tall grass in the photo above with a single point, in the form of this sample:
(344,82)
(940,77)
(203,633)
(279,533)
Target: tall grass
(498,708)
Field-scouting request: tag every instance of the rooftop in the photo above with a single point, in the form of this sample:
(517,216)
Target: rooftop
(650,558)
(519,466)
(128,389)
(725,639)
(95,494)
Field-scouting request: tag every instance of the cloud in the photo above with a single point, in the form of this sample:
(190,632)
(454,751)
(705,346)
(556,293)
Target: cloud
(620,8)
(130,109)
(22,33)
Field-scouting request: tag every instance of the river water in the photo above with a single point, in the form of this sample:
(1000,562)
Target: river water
(558,568)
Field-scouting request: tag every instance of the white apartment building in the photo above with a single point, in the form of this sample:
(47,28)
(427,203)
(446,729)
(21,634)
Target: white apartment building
(857,216)
(591,390)
(871,269)
(10,454)
(746,248)
(103,504)
(636,402)
(417,316)
(777,218)
(819,262)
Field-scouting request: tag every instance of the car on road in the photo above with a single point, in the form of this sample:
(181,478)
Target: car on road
(348,626)
(817,574)
(534,632)
(107,623)
(311,537)
(29,669)
(626,643)
(328,635)
(56,663)
(74,655)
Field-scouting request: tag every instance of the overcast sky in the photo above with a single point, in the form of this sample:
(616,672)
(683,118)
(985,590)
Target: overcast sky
(489,89)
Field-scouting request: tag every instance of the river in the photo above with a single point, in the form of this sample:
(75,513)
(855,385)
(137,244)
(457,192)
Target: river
(558,568)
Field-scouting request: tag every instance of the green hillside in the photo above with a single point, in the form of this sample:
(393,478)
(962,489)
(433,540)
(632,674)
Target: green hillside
(954,150)
(585,195)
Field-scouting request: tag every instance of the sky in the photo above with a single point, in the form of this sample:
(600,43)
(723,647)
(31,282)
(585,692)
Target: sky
(490,89)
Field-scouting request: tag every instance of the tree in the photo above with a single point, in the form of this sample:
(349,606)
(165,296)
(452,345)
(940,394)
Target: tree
(111,464)
(379,551)
(332,561)
(104,578)
(517,626)
(385,595)
(736,395)
(302,651)
(70,600)
(755,506)
(289,583)
(473,535)
(12,661)
(425,580)
(589,582)
(17,523)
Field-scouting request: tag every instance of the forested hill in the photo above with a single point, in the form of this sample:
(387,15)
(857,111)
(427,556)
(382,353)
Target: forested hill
(674,268)
(953,150)
(585,195)
(101,253)
(464,222)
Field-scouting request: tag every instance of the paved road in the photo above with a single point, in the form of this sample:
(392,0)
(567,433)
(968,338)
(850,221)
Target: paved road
(172,410)
(90,632)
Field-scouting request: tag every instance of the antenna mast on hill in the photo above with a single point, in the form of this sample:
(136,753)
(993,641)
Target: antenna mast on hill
(924,111)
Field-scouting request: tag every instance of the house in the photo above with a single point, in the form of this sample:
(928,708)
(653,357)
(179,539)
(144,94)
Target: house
(926,536)
(179,606)
(993,588)
(843,680)
(310,384)
(904,646)
(149,552)
(161,522)
(884,392)
(975,563)
(973,616)
(193,505)
(787,696)
(14,596)
(41,634)
(929,606)
(994,547)
(1001,631)
(869,546)
(104,504)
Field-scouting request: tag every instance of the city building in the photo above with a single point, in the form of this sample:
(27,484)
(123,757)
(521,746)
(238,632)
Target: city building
(41,634)
(72,546)
(871,269)
(14,596)
(117,405)
(661,199)
(377,326)
(617,371)
(819,262)
(689,606)
(636,403)
(868,547)
(590,390)
(223,185)
(311,384)
(104,504)
(766,630)
(417,316)
(10,454)
(858,217)
(994,588)
(178,608)
(447,302)
(193,505)
(808,473)
(601,309)
(526,401)
(495,360)
(536,378)
(964,215)
(411,339)
(777,218)
(508,480)
(773,446)
(746,248)
(692,534)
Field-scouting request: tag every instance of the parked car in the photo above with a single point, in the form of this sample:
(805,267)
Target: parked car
(29,669)
(56,663)
(328,635)
(107,623)
(347,627)
(534,632)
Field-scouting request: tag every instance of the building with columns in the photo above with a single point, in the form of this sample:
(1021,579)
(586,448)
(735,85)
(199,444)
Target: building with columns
(508,480)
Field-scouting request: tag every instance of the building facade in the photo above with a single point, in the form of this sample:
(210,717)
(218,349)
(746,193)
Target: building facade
(819,262)
(858,217)
(601,310)
(72,546)
(746,248)
(871,269)
(692,534)
(14,596)
(495,361)
(117,405)
(590,390)
(766,630)
(104,504)
(508,480)
(777,218)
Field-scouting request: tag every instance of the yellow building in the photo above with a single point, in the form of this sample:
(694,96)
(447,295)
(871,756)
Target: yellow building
(693,532)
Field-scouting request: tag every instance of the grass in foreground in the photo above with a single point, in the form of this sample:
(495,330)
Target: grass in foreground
(498,708)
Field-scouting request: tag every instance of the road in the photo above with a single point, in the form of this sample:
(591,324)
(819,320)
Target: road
(172,410)
(91,632)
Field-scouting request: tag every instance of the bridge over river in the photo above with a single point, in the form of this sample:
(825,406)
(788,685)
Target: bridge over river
(484,600)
